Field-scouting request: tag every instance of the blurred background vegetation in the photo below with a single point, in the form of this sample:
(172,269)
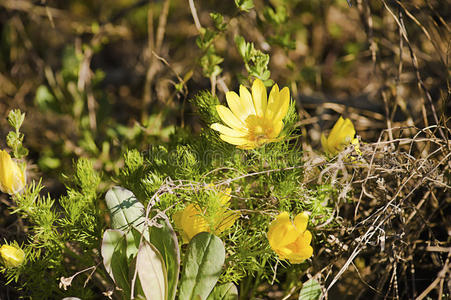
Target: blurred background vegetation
(98,77)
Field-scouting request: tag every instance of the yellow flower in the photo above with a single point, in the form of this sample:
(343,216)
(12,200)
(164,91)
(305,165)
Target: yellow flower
(215,218)
(12,177)
(290,240)
(253,120)
(12,256)
(341,135)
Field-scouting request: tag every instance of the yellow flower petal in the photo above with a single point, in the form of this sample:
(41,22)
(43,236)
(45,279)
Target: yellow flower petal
(281,218)
(246,101)
(275,224)
(227,130)
(227,220)
(301,255)
(281,231)
(337,126)
(259,96)
(346,133)
(235,104)
(283,104)
(229,118)
(300,250)
(11,256)
(190,222)
(284,253)
(273,101)
(238,141)
(177,217)
(300,221)
(276,130)
(305,239)
(224,197)
(341,135)
(290,240)
(12,178)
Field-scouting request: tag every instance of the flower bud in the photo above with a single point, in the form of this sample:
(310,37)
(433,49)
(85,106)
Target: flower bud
(12,177)
(12,256)
(341,135)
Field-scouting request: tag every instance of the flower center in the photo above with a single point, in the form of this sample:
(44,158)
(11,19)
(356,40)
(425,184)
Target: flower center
(258,128)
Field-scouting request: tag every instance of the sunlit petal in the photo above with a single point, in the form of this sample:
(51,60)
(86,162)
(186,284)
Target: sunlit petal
(341,135)
(290,240)
(227,130)
(259,96)
(276,129)
(238,141)
(227,220)
(246,100)
(236,106)
(300,221)
(273,101)
(229,118)
(283,104)
(12,177)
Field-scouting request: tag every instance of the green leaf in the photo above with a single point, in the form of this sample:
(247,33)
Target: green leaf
(132,238)
(218,20)
(16,118)
(226,291)
(152,272)
(276,17)
(311,290)
(115,259)
(244,5)
(126,211)
(165,240)
(44,99)
(204,260)
(241,45)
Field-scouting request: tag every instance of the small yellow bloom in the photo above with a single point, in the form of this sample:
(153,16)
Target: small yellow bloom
(12,177)
(193,219)
(290,240)
(253,119)
(12,256)
(341,135)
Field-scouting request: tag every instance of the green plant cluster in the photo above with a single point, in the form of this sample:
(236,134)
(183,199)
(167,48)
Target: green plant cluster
(65,235)
(62,235)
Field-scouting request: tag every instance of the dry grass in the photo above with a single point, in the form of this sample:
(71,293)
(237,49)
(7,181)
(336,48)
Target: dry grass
(394,239)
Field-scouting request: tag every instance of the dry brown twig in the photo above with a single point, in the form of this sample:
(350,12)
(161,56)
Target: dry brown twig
(154,45)
(416,172)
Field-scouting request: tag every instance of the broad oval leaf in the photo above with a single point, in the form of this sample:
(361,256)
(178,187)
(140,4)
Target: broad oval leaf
(226,291)
(151,272)
(115,259)
(311,290)
(125,209)
(165,240)
(132,238)
(204,260)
